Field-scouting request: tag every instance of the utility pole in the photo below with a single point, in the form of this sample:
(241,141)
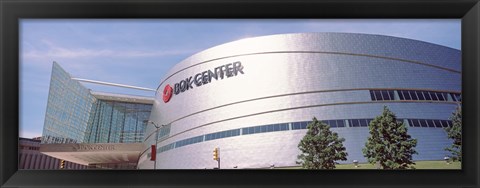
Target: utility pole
(154,155)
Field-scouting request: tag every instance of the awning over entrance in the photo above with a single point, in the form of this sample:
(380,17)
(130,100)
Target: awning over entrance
(86,154)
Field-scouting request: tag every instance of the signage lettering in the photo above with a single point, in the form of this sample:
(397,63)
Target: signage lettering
(202,78)
(95,147)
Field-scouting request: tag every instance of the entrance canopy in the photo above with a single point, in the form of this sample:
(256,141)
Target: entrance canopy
(86,154)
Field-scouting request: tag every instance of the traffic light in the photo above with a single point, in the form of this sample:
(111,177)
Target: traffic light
(216,154)
(62,164)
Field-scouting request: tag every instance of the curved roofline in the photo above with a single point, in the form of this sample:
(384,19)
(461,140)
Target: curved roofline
(255,37)
(279,34)
(380,35)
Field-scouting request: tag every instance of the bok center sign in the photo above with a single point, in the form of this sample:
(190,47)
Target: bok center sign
(202,78)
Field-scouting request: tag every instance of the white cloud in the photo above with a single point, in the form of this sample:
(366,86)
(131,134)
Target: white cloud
(54,51)
(26,134)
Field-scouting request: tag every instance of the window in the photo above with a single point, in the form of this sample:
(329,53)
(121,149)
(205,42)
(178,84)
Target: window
(332,123)
(208,137)
(444,123)
(245,131)
(372,96)
(414,123)
(276,127)
(430,123)
(420,95)
(378,95)
(263,129)
(270,128)
(449,123)
(407,95)
(427,95)
(413,94)
(295,126)
(434,96)
(354,123)
(385,95)
(400,94)
(441,97)
(304,125)
(298,125)
(423,123)
(363,123)
(223,134)
(456,97)
(410,123)
(257,129)
(251,130)
(392,95)
(215,136)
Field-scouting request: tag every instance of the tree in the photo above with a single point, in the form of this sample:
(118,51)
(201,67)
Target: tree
(389,144)
(320,147)
(455,133)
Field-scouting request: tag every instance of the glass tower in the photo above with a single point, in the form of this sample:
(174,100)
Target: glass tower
(68,109)
(75,115)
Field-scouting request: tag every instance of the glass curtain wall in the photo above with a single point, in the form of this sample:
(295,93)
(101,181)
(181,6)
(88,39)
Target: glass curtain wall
(68,109)
(117,122)
(74,115)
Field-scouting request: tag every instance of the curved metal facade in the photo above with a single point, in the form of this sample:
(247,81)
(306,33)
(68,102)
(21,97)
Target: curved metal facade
(291,78)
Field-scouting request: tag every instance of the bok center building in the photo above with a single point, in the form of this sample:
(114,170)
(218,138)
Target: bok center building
(253,98)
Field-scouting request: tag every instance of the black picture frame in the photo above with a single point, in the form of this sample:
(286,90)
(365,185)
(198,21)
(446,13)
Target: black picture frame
(11,11)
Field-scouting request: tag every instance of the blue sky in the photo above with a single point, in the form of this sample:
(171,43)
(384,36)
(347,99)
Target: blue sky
(140,51)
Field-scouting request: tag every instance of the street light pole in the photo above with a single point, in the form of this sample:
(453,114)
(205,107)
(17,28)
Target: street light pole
(156,140)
